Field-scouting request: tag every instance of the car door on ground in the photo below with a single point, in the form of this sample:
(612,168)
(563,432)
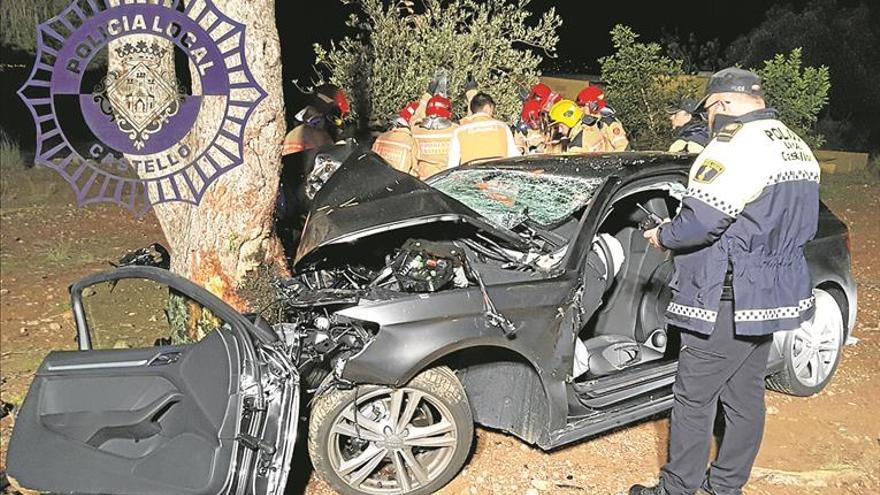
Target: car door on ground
(167,399)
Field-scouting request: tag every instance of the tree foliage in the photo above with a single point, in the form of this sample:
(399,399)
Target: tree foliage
(641,83)
(798,92)
(19,19)
(397,48)
(841,35)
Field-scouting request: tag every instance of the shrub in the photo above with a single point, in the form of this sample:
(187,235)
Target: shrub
(799,93)
(641,83)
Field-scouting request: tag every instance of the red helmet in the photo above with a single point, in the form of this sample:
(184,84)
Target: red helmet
(540,92)
(409,111)
(531,113)
(439,106)
(341,102)
(591,97)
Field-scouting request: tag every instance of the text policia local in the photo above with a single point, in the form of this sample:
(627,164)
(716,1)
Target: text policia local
(138,24)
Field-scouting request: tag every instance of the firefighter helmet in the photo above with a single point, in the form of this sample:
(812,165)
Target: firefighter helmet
(566,112)
(592,98)
(439,106)
(540,92)
(531,113)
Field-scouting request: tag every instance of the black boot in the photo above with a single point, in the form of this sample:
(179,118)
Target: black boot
(647,490)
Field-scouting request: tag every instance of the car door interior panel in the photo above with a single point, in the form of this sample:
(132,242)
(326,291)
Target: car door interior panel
(126,424)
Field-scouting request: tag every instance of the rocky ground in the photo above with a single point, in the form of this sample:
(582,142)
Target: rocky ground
(828,444)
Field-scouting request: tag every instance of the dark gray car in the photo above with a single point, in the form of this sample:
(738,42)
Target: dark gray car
(516,294)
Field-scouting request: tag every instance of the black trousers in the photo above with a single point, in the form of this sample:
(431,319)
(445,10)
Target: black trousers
(724,370)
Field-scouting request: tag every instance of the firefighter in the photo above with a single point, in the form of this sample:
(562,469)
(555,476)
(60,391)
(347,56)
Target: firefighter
(741,275)
(481,136)
(396,145)
(320,122)
(574,132)
(544,95)
(530,136)
(599,115)
(689,128)
(310,132)
(432,136)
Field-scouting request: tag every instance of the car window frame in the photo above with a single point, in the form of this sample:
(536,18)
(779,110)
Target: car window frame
(604,198)
(159,275)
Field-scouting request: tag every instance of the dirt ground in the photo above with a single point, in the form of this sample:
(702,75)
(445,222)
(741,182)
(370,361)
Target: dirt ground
(828,444)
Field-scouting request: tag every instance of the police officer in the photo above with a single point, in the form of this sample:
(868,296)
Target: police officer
(690,129)
(738,239)
(397,145)
(481,136)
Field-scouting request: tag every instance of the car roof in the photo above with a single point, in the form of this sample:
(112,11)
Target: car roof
(591,165)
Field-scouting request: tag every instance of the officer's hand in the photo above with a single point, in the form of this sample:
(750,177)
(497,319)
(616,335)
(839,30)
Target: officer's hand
(653,237)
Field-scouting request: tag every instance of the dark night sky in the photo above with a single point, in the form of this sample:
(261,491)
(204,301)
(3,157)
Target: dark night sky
(583,36)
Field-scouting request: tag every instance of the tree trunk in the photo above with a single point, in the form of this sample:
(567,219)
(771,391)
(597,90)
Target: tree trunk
(228,240)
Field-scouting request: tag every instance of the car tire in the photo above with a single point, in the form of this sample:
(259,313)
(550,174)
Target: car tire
(812,353)
(343,445)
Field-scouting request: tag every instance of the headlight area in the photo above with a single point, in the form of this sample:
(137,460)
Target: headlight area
(321,342)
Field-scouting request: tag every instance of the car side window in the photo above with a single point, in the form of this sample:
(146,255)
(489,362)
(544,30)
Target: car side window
(134,313)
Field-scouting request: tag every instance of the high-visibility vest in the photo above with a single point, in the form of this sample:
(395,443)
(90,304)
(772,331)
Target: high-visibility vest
(432,149)
(397,147)
(480,137)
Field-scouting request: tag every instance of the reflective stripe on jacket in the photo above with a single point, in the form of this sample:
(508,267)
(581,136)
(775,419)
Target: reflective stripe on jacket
(478,137)
(614,133)
(397,147)
(304,137)
(752,204)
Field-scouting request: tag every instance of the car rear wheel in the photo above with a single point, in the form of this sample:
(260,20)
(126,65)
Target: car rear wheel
(379,440)
(812,352)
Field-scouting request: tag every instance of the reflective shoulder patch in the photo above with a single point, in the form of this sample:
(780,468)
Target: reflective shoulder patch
(708,171)
(728,131)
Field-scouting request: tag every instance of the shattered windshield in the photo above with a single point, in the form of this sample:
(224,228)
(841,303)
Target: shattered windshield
(508,197)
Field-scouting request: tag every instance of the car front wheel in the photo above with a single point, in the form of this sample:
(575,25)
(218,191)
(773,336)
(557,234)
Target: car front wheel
(379,440)
(812,352)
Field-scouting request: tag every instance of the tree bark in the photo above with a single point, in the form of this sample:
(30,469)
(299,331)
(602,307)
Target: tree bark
(228,239)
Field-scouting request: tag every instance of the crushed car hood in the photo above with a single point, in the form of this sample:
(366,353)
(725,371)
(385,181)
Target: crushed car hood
(366,197)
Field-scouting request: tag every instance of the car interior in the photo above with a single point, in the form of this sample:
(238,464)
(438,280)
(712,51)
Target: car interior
(614,346)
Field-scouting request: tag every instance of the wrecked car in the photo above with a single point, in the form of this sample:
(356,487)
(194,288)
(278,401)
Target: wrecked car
(517,294)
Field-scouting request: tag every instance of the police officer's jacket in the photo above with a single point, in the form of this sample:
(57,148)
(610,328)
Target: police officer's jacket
(751,205)
(691,137)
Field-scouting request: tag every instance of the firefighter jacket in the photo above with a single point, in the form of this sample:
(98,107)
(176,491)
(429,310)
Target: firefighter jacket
(397,147)
(587,137)
(751,205)
(432,148)
(479,137)
(532,142)
(598,135)
(304,137)
(691,137)
(615,134)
